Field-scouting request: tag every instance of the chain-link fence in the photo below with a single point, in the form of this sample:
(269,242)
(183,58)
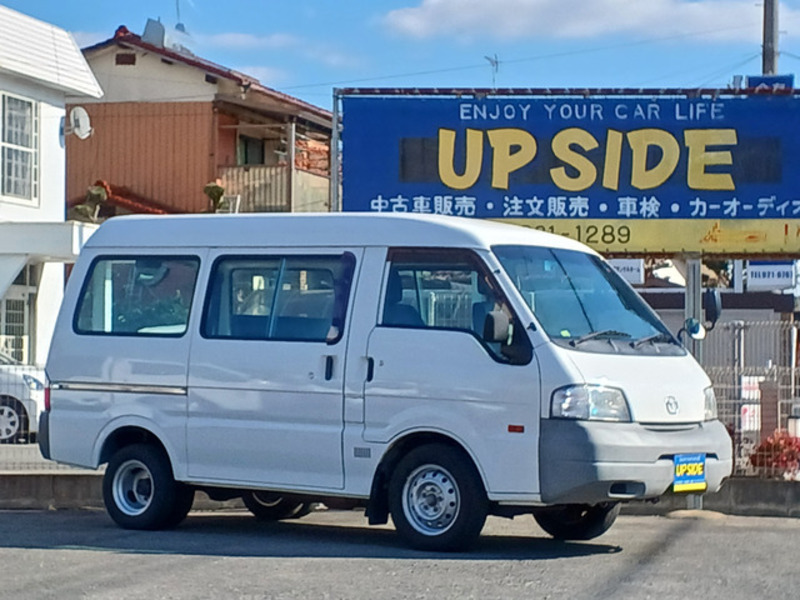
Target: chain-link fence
(754,368)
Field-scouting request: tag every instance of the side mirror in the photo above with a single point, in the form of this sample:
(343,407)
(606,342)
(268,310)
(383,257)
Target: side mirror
(496,327)
(712,305)
(695,329)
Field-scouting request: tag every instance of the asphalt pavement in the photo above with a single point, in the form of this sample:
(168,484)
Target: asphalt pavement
(334,554)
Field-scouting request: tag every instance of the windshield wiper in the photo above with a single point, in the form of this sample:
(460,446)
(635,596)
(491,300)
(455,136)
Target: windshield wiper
(656,337)
(605,334)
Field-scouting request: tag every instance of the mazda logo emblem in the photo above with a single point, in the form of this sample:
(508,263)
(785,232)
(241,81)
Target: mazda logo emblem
(672,405)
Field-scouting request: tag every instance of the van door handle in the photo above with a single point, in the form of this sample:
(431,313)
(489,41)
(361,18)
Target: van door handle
(370,368)
(328,367)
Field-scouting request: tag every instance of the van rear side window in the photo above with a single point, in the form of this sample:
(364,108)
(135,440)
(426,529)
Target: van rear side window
(278,297)
(126,295)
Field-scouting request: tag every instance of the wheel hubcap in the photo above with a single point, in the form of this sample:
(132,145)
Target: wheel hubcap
(431,500)
(9,422)
(133,488)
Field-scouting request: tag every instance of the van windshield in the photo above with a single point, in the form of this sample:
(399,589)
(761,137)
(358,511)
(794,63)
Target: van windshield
(582,303)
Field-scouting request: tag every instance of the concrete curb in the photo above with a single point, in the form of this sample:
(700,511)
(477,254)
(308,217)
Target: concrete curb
(742,496)
(51,490)
(71,490)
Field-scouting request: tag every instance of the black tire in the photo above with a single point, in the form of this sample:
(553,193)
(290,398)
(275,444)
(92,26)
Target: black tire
(577,521)
(274,506)
(437,500)
(304,509)
(13,421)
(140,492)
(184,498)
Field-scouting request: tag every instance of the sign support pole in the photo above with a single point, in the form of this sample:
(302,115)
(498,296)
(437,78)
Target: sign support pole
(693,303)
(769,58)
(693,310)
(336,205)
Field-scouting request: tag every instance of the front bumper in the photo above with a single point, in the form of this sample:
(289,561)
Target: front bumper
(586,462)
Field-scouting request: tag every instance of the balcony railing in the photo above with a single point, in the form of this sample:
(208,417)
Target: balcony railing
(266,188)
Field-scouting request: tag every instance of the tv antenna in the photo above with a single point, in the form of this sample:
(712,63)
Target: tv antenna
(179,26)
(494,62)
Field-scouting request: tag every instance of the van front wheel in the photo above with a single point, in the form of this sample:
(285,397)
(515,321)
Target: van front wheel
(437,499)
(140,492)
(577,521)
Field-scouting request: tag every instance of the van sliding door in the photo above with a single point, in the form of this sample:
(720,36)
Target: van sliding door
(267,372)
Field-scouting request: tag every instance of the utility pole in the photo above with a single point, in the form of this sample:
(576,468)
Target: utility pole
(769,55)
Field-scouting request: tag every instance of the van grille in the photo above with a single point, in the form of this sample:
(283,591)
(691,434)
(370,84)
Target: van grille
(670,426)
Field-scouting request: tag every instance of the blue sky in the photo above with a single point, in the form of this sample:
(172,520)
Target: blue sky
(308,47)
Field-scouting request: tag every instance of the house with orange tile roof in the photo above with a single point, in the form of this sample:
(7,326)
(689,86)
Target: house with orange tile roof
(170,123)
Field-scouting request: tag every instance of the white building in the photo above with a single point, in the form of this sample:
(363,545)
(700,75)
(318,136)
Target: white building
(40,65)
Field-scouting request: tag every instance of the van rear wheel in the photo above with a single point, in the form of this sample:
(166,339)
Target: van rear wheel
(436,499)
(272,506)
(140,492)
(577,521)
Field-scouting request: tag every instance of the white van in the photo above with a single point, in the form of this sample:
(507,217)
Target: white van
(435,369)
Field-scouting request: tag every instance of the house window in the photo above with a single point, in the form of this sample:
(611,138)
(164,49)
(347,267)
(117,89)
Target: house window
(19,148)
(125,58)
(251,151)
(16,316)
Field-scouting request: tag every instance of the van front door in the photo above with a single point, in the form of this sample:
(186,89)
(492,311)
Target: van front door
(433,370)
(267,370)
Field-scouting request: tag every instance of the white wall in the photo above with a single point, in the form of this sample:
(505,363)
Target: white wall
(149,80)
(48,302)
(50,206)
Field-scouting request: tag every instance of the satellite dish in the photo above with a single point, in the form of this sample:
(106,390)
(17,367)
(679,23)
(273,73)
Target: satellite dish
(79,123)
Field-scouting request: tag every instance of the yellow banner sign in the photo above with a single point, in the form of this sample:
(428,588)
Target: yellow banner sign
(677,236)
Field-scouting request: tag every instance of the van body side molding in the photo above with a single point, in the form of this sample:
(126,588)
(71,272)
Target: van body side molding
(131,388)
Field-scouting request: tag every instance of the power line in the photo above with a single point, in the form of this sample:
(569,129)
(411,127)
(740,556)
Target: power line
(540,57)
(685,72)
(720,72)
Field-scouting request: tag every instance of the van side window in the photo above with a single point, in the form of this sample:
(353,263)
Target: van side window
(444,289)
(150,295)
(278,297)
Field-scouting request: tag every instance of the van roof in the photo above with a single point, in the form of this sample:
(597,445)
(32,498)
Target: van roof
(248,230)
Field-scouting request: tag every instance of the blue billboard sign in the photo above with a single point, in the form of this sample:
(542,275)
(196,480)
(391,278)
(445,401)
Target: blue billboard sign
(771,83)
(574,157)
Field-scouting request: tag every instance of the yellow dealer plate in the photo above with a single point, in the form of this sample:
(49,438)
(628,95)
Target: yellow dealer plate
(690,473)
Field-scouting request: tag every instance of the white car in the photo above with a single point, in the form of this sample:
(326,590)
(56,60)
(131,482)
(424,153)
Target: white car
(21,400)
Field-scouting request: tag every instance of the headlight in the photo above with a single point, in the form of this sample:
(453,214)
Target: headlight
(710,404)
(33,383)
(590,403)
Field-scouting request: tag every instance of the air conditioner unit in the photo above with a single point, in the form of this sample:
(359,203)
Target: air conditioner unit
(796,409)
